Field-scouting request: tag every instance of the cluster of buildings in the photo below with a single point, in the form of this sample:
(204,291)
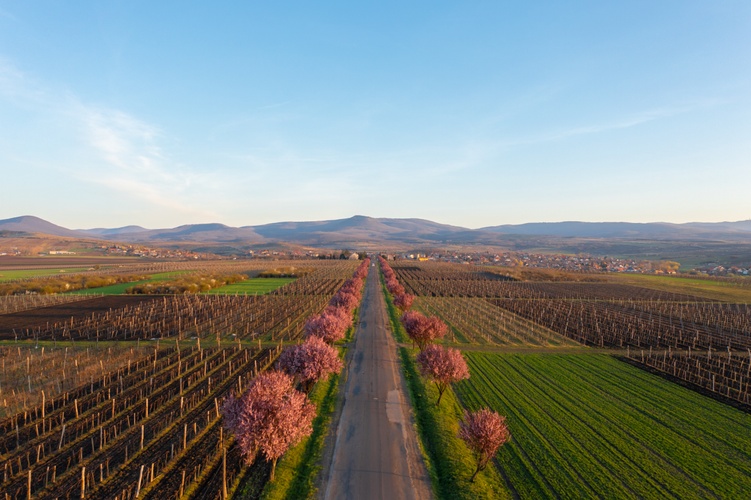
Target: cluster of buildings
(714,270)
(573,263)
(155,253)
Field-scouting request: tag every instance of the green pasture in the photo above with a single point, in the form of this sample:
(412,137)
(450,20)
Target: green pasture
(19,274)
(253,286)
(590,426)
(704,288)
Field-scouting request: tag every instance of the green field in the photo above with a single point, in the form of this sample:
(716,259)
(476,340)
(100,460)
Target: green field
(706,288)
(254,286)
(588,426)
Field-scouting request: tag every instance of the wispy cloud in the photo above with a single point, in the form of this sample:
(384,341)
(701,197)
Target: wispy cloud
(133,161)
(116,149)
(633,120)
(476,152)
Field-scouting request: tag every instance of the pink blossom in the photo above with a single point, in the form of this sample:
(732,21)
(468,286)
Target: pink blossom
(484,431)
(442,366)
(423,330)
(269,417)
(310,362)
(346,300)
(404,301)
(328,326)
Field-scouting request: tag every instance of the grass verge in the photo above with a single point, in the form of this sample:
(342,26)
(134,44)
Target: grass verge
(296,471)
(449,462)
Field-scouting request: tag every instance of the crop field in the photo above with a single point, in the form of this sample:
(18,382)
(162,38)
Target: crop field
(253,286)
(588,426)
(654,326)
(113,396)
(585,424)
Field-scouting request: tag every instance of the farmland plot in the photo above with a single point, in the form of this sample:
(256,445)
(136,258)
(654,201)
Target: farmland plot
(587,426)
(634,320)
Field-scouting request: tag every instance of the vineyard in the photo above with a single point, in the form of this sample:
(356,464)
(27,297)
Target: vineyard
(120,396)
(136,412)
(485,308)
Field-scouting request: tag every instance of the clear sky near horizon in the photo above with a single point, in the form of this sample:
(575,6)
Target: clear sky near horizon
(161,113)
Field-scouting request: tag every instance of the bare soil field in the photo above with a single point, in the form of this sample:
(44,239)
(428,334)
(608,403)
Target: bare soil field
(42,317)
(22,262)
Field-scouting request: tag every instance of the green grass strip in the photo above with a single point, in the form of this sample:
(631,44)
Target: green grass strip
(449,462)
(253,286)
(297,469)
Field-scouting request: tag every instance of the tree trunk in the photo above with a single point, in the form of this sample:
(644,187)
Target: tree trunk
(441,390)
(273,469)
(477,470)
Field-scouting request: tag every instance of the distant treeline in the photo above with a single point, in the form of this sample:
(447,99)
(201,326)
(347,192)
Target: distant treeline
(285,272)
(192,283)
(67,283)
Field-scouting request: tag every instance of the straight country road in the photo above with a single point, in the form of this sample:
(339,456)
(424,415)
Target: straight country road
(375,452)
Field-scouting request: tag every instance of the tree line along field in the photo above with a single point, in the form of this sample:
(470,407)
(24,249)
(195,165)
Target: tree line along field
(148,423)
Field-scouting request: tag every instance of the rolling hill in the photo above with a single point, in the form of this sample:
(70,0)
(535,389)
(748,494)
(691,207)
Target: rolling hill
(362,230)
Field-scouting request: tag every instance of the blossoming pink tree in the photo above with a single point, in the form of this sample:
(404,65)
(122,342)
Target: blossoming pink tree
(484,432)
(310,362)
(423,330)
(269,417)
(442,366)
(404,301)
(328,326)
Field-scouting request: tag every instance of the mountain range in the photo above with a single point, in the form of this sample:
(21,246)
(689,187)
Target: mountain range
(362,230)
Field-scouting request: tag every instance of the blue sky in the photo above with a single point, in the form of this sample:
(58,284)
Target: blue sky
(466,113)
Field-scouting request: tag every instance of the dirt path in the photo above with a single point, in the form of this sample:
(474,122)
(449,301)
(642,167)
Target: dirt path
(375,453)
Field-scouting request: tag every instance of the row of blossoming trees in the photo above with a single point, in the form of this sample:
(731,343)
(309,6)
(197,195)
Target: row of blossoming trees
(272,415)
(484,431)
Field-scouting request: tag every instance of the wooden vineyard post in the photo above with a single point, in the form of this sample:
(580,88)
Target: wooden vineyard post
(62,435)
(142,432)
(140,477)
(83,482)
(28,487)
(224,474)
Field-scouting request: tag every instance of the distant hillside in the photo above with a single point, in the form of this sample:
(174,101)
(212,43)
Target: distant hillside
(114,232)
(695,231)
(34,225)
(360,230)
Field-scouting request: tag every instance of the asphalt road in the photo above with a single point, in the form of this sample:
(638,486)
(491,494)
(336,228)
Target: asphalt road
(375,454)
